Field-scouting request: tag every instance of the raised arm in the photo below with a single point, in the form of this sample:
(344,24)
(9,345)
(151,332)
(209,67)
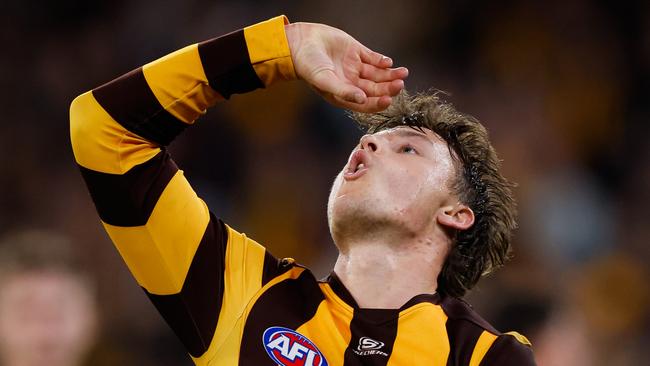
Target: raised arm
(199,272)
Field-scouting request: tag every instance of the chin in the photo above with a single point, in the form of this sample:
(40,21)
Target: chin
(352,211)
(352,216)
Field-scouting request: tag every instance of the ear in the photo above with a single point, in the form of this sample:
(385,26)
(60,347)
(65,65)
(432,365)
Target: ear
(458,216)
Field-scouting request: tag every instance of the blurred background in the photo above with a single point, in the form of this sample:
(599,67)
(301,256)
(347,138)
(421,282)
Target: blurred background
(561,85)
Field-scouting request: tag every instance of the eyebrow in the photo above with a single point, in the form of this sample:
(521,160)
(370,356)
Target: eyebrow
(412,133)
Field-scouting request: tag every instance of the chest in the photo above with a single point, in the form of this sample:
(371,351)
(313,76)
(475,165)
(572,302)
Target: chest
(324,331)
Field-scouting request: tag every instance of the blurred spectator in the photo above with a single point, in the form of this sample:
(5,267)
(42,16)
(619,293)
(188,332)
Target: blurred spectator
(47,302)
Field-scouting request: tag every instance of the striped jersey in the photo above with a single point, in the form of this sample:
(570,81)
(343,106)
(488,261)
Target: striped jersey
(226,297)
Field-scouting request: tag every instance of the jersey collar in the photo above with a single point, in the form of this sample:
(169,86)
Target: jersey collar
(339,289)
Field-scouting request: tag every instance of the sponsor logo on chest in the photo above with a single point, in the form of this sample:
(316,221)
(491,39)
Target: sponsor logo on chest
(290,348)
(368,346)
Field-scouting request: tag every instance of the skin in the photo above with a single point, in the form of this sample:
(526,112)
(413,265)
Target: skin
(391,222)
(46,318)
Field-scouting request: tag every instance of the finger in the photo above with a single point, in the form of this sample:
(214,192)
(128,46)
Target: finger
(379,75)
(328,82)
(389,88)
(376,59)
(372,104)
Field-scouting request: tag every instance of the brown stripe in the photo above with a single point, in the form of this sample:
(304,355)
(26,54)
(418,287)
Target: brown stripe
(227,64)
(130,101)
(288,304)
(507,351)
(380,325)
(459,309)
(464,327)
(274,267)
(462,339)
(193,312)
(128,199)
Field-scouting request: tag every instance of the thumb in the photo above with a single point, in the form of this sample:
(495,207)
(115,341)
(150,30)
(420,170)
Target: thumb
(328,82)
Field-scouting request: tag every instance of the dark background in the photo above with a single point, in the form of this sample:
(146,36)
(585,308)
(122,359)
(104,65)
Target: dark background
(561,85)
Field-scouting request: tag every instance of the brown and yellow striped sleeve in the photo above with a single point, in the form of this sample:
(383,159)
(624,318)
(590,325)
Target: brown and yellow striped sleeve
(198,272)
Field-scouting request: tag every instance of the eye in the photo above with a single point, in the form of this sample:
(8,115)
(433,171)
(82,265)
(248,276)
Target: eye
(408,149)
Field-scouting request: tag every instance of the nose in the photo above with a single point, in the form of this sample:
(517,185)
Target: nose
(369,143)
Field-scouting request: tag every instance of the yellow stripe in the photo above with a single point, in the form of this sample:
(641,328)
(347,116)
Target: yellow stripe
(180,85)
(332,296)
(521,338)
(421,337)
(243,277)
(159,253)
(329,329)
(101,144)
(269,51)
(482,346)
(224,348)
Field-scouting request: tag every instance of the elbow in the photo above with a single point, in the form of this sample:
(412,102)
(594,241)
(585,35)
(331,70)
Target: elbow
(96,138)
(76,123)
(81,125)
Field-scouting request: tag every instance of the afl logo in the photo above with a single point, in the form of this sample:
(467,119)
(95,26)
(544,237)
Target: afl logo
(290,348)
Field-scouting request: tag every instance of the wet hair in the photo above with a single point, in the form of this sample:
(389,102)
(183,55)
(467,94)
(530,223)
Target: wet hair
(484,246)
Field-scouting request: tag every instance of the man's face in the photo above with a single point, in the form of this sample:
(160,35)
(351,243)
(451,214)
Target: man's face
(46,318)
(399,176)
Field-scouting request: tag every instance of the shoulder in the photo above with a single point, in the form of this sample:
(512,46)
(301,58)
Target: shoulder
(509,349)
(472,338)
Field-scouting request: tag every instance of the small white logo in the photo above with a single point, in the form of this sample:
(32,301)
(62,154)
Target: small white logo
(368,346)
(366,343)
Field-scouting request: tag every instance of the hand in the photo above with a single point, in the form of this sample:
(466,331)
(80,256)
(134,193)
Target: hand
(342,70)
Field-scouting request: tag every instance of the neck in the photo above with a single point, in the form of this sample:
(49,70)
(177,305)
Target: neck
(380,273)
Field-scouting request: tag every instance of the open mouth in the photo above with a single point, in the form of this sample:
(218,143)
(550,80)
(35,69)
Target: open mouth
(357,165)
